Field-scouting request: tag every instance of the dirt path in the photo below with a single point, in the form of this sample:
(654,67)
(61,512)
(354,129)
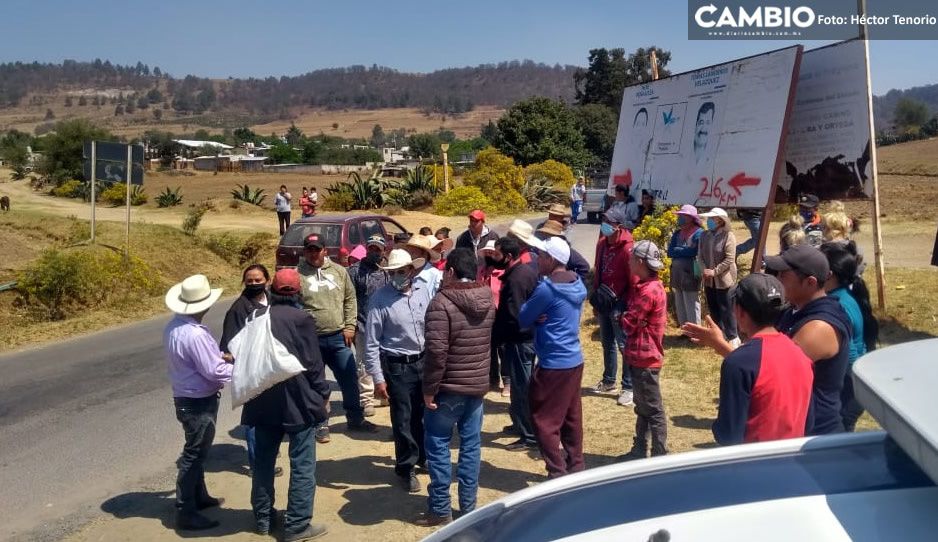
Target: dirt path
(357,492)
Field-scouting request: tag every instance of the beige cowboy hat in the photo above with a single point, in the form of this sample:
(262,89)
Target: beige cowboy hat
(400,258)
(192,296)
(523,231)
(426,243)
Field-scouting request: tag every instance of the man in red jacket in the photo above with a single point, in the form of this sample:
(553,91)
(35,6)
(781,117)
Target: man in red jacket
(612,270)
(455,379)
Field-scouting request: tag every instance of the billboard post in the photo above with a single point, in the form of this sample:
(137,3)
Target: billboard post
(93,186)
(874,172)
(129,170)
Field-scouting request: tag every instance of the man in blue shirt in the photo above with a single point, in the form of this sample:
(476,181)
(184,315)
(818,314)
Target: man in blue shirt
(394,352)
(553,310)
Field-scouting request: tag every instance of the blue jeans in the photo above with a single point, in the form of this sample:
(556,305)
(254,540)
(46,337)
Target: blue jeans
(753,225)
(575,208)
(465,412)
(520,360)
(302,488)
(341,360)
(250,440)
(613,341)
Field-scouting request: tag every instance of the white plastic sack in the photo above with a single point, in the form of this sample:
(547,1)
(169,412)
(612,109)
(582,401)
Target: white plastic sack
(260,360)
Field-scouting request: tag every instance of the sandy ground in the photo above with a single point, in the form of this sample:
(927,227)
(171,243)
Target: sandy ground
(357,494)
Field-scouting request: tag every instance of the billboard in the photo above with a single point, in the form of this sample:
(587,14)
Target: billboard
(111,161)
(827,152)
(710,137)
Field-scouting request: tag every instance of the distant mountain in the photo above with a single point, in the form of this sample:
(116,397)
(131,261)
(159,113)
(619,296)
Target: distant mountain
(357,87)
(884,107)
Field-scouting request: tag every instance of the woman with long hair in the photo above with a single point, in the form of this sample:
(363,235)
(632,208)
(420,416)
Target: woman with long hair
(256,281)
(847,285)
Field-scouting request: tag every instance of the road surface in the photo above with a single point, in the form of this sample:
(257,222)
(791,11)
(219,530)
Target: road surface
(90,418)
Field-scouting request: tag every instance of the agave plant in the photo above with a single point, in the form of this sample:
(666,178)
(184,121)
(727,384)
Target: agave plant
(169,198)
(420,179)
(540,194)
(247,195)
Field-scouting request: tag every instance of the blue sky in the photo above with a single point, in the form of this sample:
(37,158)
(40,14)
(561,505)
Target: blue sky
(279,37)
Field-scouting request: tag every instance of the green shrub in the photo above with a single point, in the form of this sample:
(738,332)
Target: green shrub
(238,250)
(245,194)
(69,189)
(169,198)
(461,200)
(193,218)
(784,211)
(419,199)
(339,201)
(116,195)
(540,194)
(64,282)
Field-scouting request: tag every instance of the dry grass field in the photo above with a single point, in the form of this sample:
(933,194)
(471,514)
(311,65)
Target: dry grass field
(352,123)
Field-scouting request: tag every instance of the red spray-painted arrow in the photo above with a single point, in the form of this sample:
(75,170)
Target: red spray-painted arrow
(740,179)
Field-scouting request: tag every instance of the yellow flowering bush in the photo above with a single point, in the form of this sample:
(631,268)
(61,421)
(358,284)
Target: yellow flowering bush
(658,228)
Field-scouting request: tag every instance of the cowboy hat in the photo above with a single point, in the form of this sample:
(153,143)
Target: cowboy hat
(427,244)
(192,296)
(524,232)
(557,210)
(400,258)
(552,228)
(442,245)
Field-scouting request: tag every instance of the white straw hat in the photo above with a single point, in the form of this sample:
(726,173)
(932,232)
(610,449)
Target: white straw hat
(192,296)
(399,258)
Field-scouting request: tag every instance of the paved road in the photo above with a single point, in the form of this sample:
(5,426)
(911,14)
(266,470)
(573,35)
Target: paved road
(91,418)
(84,420)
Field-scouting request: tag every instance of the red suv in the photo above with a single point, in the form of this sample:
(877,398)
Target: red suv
(337,231)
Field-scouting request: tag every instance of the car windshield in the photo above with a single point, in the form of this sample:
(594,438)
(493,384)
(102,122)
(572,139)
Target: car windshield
(331,234)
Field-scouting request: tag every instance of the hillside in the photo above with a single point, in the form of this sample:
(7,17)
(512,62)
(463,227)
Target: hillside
(884,106)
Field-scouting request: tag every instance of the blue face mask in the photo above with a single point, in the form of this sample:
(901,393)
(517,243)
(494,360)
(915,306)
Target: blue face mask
(682,220)
(807,215)
(712,224)
(606,229)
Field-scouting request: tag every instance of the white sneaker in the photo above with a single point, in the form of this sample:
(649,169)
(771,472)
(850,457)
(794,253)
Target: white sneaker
(625,398)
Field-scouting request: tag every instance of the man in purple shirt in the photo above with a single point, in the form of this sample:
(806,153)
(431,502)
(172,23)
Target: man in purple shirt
(197,372)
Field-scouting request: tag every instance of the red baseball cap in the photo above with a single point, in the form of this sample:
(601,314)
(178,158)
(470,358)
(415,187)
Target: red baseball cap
(286,282)
(477,215)
(343,251)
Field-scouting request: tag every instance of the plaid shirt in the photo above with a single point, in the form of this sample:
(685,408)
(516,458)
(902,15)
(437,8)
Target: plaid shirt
(643,323)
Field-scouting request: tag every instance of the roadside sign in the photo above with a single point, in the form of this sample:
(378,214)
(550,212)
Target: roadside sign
(111,159)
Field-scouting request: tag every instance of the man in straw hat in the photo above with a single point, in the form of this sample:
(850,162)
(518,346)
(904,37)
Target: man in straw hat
(291,408)
(197,373)
(523,232)
(426,248)
(394,356)
(557,213)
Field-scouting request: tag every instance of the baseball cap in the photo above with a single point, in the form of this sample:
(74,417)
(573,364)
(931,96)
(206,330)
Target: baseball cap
(804,258)
(557,248)
(477,214)
(648,252)
(809,200)
(758,289)
(313,241)
(716,212)
(286,282)
(377,239)
(615,215)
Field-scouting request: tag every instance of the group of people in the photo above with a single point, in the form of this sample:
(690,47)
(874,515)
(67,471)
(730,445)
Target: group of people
(309,201)
(429,326)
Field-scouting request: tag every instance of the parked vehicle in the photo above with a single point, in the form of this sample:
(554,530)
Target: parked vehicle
(596,200)
(338,231)
(855,486)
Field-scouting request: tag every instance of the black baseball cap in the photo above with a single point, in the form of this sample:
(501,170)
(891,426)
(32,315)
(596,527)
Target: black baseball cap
(313,241)
(758,289)
(804,258)
(809,200)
